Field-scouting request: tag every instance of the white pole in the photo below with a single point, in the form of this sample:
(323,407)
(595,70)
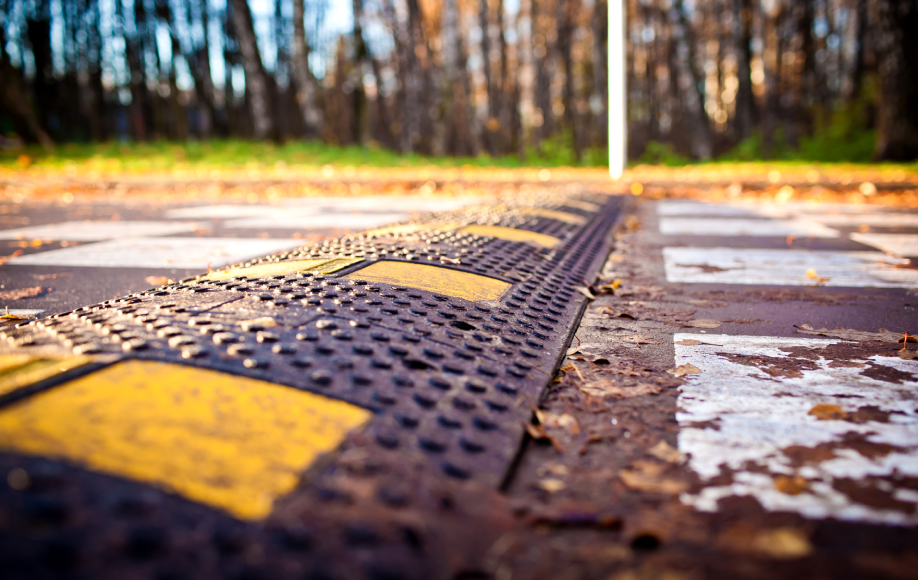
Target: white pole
(618,101)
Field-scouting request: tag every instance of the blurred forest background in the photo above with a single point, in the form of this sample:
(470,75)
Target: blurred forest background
(819,80)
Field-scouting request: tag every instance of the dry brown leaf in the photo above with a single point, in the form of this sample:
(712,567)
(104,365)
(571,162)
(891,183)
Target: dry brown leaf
(5,259)
(791,485)
(603,389)
(157,280)
(585,291)
(783,543)
(702,323)
(562,421)
(828,413)
(538,433)
(882,335)
(908,354)
(812,275)
(692,342)
(23,293)
(686,369)
(648,480)
(666,452)
(265,322)
(641,339)
(551,485)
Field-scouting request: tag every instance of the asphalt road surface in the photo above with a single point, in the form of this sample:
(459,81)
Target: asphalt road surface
(738,401)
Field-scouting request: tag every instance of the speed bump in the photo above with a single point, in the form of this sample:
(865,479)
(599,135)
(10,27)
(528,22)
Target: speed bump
(328,404)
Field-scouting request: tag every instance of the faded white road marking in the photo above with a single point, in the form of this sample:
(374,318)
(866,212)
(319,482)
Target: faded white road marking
(314,206)
(701,226)
(751,425)
(786,267)
(172,253)
(91,231)
(898,244)
(876,220)
(298,220)
(671,207)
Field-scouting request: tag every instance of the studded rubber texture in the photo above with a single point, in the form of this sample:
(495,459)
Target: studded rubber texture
(451,383)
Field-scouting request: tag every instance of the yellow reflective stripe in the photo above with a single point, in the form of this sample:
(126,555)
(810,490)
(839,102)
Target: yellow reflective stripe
(512,234)
(463,285)
(227,441)
(561,216)
(580,204)
(17,371)
(323,266)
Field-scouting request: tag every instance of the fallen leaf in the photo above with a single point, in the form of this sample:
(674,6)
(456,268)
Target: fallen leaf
(265,322)
(702,323)
(538,433)
(50,276)
(551,485)
(573,350)
(828,413)
(882,335)
(791,485)
(783,543)
(563,421)
(157,280)
(908,354)
(693,342)
(5,259)
(812,275)
(603,389)
(23,293)
(686,369)
(666,452)
(585,291)
(645,478)
(641,339)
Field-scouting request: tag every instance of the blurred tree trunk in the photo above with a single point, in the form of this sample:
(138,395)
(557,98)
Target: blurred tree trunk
(257,90)
(860,48)
(14,103)
(306,91)
(493,123)
(134,53)
(384,115)
(361,55)
(601,66)
(745,103)
(702,146)
(897,123)
(567,10)
(542,98)
(458,140)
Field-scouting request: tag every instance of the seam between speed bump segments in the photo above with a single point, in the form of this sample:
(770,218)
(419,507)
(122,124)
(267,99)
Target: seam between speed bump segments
(231,442)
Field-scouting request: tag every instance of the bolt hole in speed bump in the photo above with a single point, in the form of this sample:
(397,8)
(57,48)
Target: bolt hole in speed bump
(325,390)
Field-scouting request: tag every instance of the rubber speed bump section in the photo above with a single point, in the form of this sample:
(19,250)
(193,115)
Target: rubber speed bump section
(17,371)
(318,267)
(511,234)
(231,442)
(465,285)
